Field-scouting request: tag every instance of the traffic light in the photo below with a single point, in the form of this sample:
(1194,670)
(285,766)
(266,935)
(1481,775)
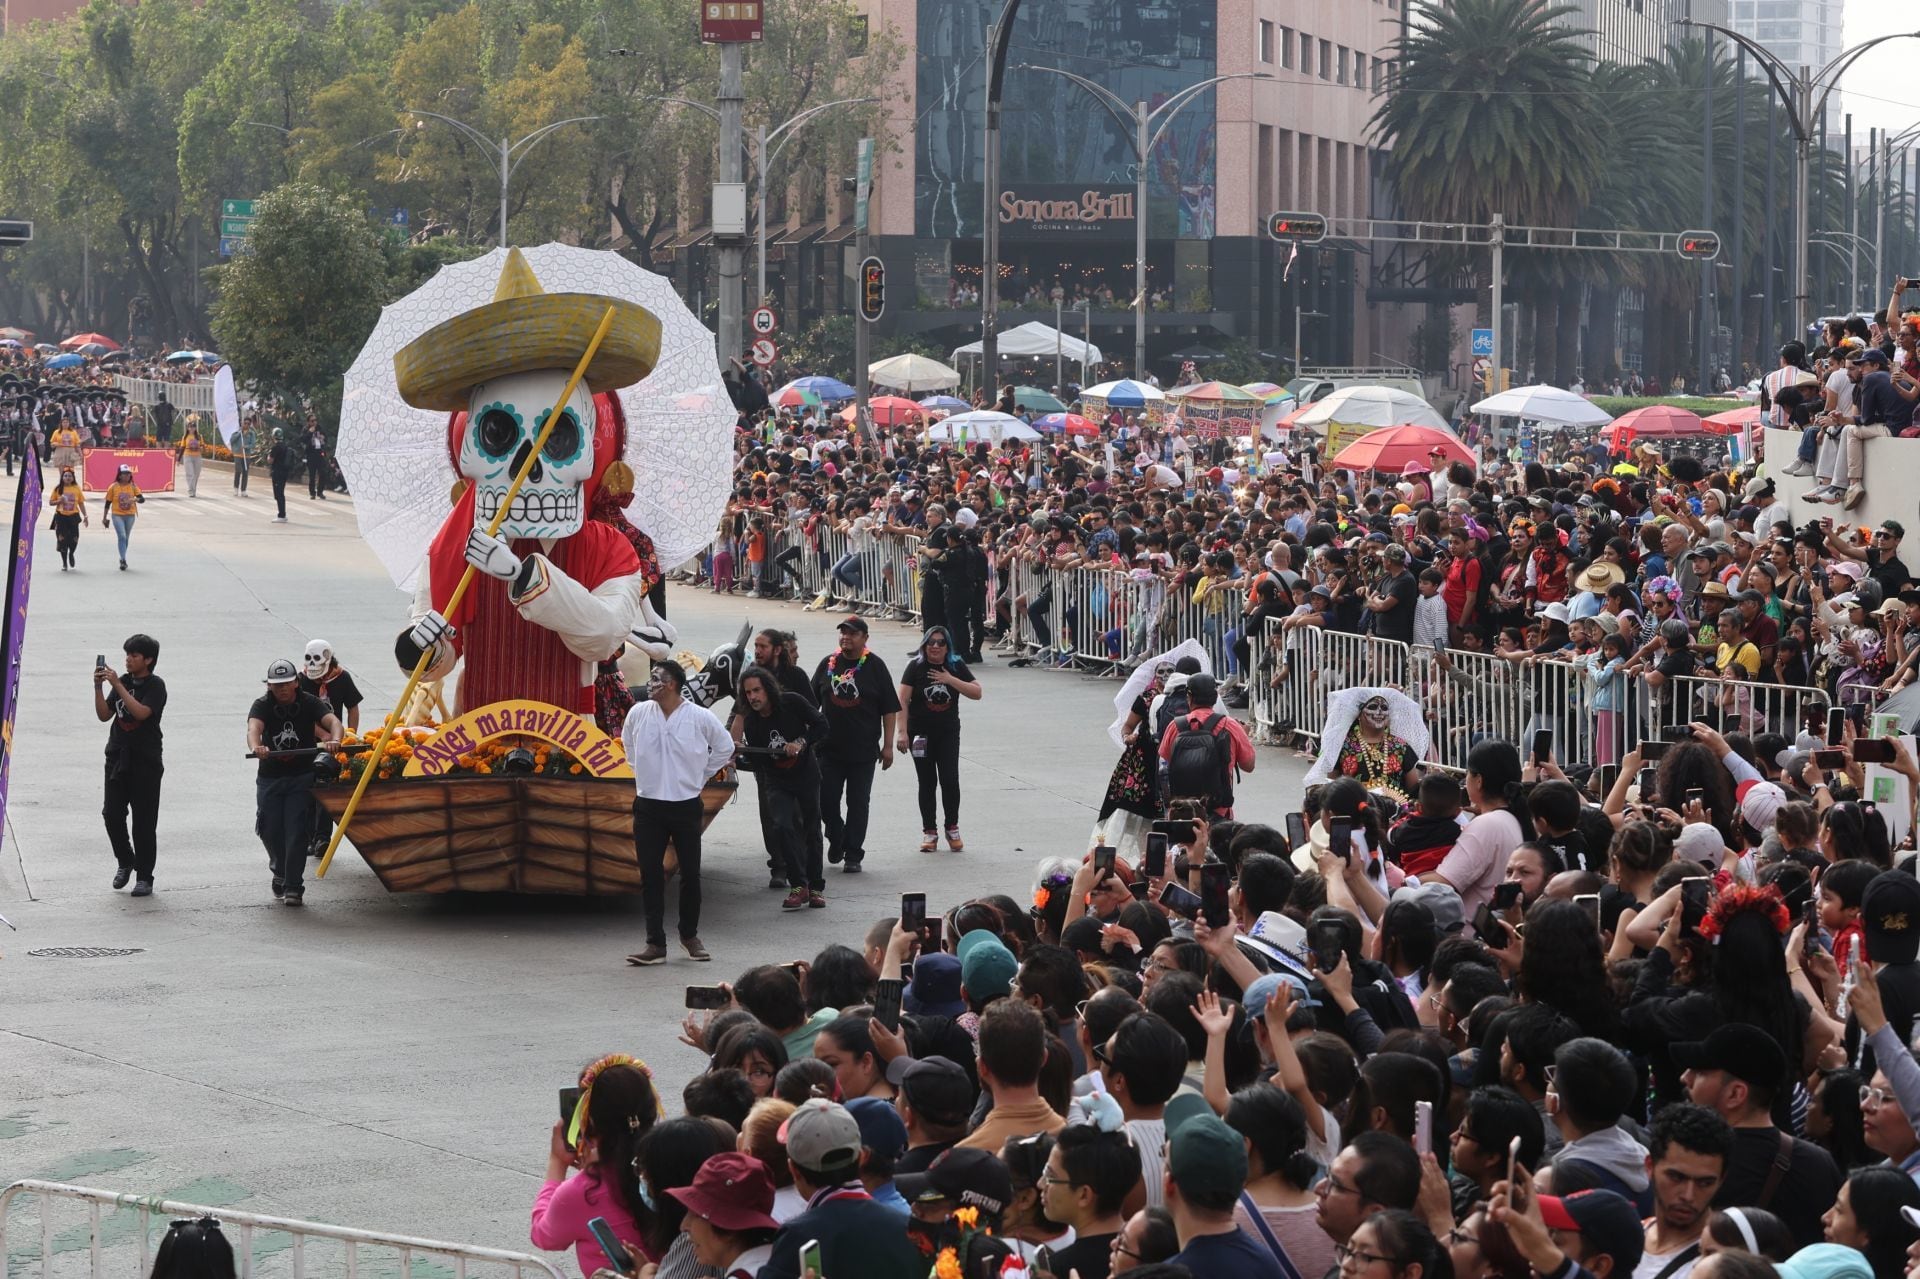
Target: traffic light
(15,232)
(873,289)
(1308,228)
(1699,246)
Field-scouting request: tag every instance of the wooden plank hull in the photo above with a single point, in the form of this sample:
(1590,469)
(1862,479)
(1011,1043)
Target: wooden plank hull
(501,834)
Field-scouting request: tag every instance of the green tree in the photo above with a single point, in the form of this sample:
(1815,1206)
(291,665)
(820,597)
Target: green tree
(297,306)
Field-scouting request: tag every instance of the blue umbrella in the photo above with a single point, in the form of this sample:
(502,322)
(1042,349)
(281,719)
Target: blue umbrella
(1124,394)
(66,361)
(952,403)
(827,388)
(205,357)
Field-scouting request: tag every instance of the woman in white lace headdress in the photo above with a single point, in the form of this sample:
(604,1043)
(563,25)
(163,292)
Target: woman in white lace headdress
(1133,797)
(1375,736)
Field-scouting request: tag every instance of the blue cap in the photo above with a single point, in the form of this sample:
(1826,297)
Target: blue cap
(1266,986)
(935,988)
(881,1129)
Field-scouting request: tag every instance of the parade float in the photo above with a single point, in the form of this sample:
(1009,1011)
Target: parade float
(528,437)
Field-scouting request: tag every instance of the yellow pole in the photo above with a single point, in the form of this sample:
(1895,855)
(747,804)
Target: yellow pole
(460,591)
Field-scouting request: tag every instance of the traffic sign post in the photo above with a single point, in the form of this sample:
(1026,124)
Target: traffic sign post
(1483,343)
(765,322)
(236,208)
(764,352)
(236,224)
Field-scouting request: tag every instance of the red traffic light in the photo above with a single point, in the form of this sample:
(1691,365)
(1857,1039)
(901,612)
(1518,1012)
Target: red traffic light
(1699,246)
(1309,228)
(873,289)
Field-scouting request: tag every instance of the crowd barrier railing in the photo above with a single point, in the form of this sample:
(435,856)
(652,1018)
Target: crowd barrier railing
(188,397)
(311,1245)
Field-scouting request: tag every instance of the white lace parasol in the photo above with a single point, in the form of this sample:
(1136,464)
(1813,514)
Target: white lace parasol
(1143,676)
(1343,707)
(679,419)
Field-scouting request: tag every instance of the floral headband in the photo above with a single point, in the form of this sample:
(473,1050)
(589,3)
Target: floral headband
(1765,902)
(1665,587)
(587,1079)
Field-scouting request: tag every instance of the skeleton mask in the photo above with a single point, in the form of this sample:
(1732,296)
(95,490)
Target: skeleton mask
(504,417)
(1375,714)
(319,659)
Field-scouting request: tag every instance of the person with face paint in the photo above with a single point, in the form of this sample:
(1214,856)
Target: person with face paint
(783,732)
(1372,754)
(69,505)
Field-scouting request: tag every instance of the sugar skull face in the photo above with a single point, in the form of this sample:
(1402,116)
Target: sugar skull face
(1375,714)
(504,418)
(318,659)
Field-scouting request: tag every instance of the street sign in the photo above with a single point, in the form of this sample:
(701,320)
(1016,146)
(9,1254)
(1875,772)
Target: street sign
(1481,364)
(236,208)
(1483,342)
(873,289)
(1308,228)
(232,244)
(862,183)
(764,352)
(14,231)
(1699,246)
(730,21)
(765,322)
(236,226)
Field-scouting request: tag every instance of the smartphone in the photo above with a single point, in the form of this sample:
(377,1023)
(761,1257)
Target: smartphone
(1836,725)
(99,661)
(1589,902)
(931,935)
(1179,833)
(1654,752)
(1542,745)
(1156,863)
(1677,733)
(1340,837)
(569,1102)
(1648,776)
(1810,916)
(913,912)
(1830,759)
(1695,795)
(1513,1161)
(1327,940)
(617,1254)
(1423,1127)
(707,998)
(1138,888)
(1489,927)
(1506,894)
(809,1257)
(1297,830)
(1179,899)
(1604,777)
(1814,717)
(1103,855)
(886,1003)
(1873,750)
(1215,879)
(1693,900)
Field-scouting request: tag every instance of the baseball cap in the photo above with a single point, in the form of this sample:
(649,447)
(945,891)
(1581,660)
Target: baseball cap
(1207,1160)
(1699,842)
(1828,1261)
(969,1178)
(853,623)
(1264,987)
(281,671)
(1449,915)
(733,1191)
(1739,1049)
(881,1129)
(1888,911)
(821,1136)
(935,988)
(1202,685)
(1760,802)
(987,970)
(1607,1221)
(1872,355)
(936,1087)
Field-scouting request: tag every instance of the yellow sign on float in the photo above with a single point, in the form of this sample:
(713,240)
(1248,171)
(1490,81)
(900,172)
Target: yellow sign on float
(579,736)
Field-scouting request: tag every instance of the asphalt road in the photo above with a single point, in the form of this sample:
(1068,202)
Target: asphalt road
(388,1062)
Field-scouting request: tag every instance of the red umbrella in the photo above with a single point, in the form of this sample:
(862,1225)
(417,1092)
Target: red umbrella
(1392,447)
(82,339)
(1286,422)
(1071,423)
(889,410)
(1654,422)
(1732,420)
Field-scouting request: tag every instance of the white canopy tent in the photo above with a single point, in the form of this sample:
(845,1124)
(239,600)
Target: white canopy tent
(1033,340)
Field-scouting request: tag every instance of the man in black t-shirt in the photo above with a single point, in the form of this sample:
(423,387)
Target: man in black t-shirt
(283,730)
(134,703)
(857,695)
(1393,601)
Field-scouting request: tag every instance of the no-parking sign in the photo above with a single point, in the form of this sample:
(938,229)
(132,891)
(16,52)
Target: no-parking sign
(765,352)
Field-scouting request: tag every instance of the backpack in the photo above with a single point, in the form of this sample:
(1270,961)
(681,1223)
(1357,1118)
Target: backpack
(1172,707)
(1201,765)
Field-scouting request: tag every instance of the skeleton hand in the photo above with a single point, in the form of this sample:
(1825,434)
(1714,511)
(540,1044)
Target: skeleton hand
(492,555)
(428,631)
(653,634)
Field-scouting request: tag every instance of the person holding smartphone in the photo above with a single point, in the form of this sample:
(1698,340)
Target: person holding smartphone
(133,703)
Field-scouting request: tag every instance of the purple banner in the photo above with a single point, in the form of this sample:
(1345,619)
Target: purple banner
(13,626)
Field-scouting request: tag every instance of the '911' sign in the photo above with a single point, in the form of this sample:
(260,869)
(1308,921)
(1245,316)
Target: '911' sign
(730,21)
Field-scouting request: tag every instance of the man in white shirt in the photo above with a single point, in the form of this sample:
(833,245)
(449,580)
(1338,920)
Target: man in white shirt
(674,747)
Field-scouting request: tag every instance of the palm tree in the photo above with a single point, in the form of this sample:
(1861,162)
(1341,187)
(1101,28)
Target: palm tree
(1491,114)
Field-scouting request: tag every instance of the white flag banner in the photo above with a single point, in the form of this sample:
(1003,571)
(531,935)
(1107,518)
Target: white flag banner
(226,406)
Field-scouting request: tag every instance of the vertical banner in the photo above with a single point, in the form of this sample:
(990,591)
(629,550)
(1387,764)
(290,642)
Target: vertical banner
(226,405)
(13,627)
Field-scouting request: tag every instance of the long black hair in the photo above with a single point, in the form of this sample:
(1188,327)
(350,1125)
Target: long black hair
(1563,966)
(1409,1241)
(621,1109)
(1497,764)
(669,1155)
(194,1250)
(1877,1195)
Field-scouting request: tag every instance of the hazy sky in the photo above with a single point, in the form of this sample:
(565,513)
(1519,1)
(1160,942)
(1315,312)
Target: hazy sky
(1883,88)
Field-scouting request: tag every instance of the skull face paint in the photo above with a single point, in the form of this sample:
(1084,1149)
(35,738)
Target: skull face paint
(504,417)
(1375,714)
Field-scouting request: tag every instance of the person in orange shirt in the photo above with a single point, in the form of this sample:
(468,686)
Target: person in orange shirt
(121,506)
(69,513)
(757,553)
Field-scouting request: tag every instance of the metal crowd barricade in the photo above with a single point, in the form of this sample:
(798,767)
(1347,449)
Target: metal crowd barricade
(105,1256)
(187,397)
(1732,706)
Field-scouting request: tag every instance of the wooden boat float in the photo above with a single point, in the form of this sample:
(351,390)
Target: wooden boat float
(503,834)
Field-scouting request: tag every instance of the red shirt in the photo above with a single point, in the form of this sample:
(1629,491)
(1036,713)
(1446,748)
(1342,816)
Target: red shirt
(1242,744)
(1462,585)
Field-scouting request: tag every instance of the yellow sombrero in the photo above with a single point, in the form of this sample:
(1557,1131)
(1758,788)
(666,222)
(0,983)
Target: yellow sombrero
(523,330)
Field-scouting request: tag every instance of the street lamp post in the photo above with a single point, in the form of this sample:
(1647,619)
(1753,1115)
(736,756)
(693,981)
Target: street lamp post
(1804,93)
(1138,120)
(510,153)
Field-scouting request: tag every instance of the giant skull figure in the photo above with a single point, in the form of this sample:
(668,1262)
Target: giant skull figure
(556,593)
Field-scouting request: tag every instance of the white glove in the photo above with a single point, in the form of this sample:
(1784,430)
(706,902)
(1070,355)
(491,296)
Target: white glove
(492,555)
(428,631)
(653,634)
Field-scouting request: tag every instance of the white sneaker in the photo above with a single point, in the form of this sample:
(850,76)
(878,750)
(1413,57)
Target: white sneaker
(1797,467)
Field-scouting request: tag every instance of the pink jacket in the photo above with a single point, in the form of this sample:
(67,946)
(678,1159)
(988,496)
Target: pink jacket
(563,1209)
